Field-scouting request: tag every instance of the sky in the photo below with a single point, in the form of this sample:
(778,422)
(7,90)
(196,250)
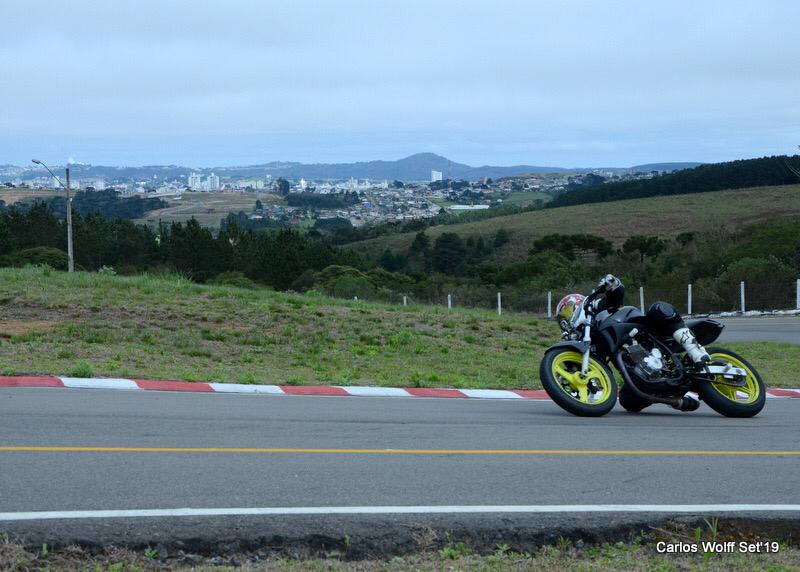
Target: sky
(562,83)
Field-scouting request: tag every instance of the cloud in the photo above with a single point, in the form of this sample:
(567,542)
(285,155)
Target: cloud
(581,81)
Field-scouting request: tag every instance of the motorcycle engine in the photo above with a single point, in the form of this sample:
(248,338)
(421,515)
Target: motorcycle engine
(648,365)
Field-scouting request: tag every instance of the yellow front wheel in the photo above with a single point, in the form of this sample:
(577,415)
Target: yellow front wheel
(745,400)
(590,395)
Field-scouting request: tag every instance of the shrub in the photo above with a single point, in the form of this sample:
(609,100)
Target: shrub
(349,286)
(81,369)
(37,256)
(769,283)
(304,282)
(237,279)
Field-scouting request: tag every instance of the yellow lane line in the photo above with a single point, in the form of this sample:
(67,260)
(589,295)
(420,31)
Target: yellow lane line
(48,449)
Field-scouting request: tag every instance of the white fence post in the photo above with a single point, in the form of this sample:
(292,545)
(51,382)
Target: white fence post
(641,298)
(449,301)
(355,298)
(549,304)
(689,300)
(500,304)
(405,301)
(741,295)
(798,294)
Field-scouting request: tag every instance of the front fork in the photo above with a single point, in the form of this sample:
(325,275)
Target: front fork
(587,338)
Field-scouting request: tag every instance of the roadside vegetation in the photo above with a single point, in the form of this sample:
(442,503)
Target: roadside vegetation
(636,555)
(167,327)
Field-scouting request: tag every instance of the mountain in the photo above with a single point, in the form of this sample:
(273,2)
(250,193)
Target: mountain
(416,167)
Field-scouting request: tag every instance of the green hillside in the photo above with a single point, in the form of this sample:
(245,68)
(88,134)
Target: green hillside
(665,216)
(91,324)
(740,174)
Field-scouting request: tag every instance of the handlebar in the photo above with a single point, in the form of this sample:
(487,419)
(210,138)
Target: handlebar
(588,308)
(594,294)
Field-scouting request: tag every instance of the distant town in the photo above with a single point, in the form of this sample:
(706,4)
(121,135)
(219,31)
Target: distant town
(360,201)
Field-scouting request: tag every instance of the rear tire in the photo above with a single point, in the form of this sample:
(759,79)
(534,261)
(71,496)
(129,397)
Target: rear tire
(559,390)
(735,406)
(631,402)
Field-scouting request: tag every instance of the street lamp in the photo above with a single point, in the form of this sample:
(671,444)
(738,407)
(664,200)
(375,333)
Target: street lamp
(71,263)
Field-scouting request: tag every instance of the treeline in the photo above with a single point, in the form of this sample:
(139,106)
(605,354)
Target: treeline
(110,204)
(243,221)
(744,173)
(37,236)
(766,256)
(318,201)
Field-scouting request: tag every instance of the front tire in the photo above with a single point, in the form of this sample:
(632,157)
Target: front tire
(732,401)
(592,396)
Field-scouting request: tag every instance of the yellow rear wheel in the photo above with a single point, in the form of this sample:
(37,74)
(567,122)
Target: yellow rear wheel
(748,393)
(745,400)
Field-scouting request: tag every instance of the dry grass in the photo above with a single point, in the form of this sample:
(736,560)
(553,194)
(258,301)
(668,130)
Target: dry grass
(11,328)
(11,196)
(208,208)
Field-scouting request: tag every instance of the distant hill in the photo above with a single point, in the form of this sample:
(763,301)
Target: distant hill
(416,167)
(661,167)
(766,171)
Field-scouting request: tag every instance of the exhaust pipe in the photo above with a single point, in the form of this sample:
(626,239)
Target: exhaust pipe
(688,404)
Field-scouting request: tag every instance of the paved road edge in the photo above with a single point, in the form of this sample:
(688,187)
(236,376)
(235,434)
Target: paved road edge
(326,390)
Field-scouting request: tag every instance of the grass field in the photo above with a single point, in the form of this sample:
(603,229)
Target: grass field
(522,198)
(208,208)
(516,198)
(11,196)
(664,216)
(169,328)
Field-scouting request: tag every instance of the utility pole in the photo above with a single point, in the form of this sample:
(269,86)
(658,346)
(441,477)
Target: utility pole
(71,260)
(71,267)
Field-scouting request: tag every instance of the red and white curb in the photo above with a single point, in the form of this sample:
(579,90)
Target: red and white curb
(328,390)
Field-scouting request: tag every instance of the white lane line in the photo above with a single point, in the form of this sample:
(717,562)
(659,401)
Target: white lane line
(343,510)
(98,383)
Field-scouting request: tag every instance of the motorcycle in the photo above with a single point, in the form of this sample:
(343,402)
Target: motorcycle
(577,376)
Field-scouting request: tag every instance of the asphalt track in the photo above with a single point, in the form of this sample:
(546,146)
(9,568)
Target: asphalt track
(95,450)
(784,329)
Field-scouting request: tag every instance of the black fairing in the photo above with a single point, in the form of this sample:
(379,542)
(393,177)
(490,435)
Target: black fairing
(613,329)
(706,331)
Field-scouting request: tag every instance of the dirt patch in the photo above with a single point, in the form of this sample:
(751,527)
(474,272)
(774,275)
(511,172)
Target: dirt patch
(11,328)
